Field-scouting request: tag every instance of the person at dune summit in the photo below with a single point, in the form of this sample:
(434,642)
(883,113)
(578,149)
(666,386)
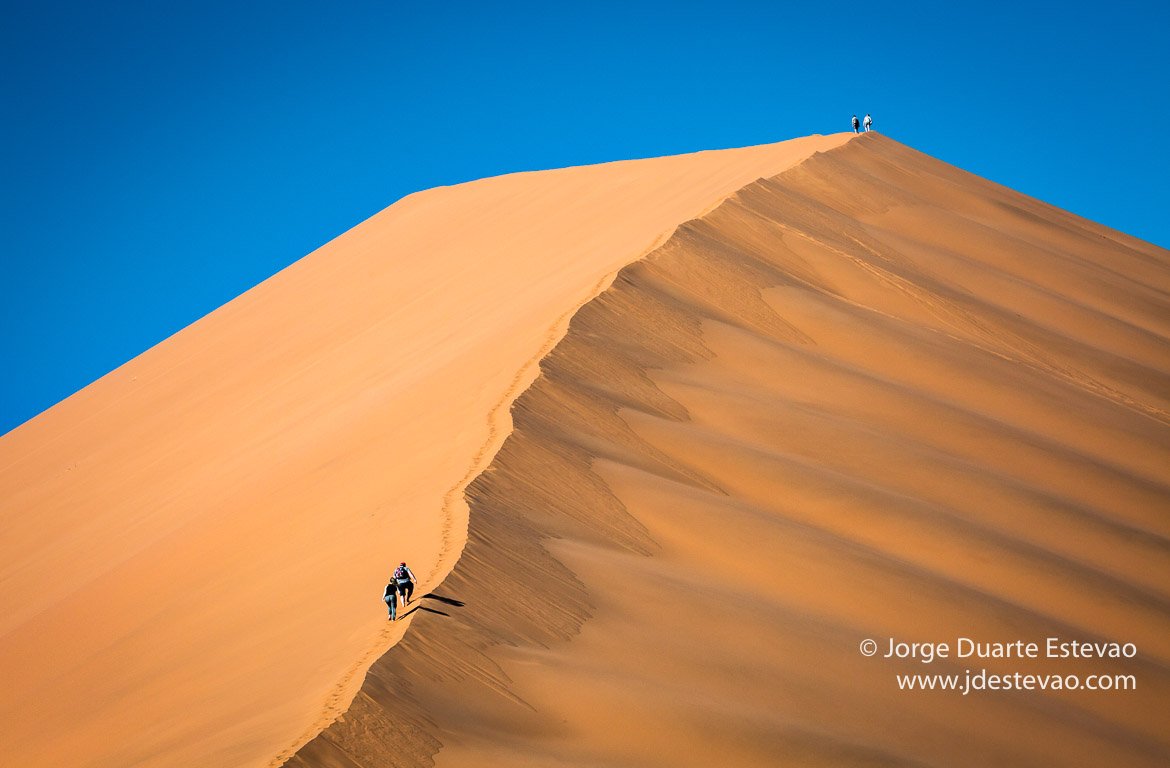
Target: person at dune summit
(868,122)
(390,598)
(404,578)
(856,124)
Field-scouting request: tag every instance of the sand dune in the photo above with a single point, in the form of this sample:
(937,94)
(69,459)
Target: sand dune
(869,397)
(193,546)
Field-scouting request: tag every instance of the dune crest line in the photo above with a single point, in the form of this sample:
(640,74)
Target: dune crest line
(871,396)
(454,520)
(268,463)
(455,509)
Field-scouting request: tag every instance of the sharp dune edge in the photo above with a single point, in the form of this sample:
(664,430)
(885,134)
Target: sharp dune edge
(866,395)
(872,396)
(194,545)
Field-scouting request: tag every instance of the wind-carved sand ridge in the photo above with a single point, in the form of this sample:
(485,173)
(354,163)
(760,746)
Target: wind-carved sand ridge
(873,396)
(453,508)
(194,545)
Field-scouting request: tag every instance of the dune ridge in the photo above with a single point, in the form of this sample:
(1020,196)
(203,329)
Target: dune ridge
(871,396)
(194,545)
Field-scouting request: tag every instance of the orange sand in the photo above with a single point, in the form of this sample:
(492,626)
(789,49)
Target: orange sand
(871,397)
(194,546)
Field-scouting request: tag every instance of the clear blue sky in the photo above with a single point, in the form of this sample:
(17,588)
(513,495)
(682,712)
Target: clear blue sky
(162,158)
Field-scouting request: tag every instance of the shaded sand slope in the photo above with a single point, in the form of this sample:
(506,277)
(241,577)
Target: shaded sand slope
(192,549)
(874,396)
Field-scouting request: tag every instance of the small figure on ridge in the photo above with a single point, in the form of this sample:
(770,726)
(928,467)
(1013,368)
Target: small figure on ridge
(406,581)
(868,122)
(390,598)
(856,124)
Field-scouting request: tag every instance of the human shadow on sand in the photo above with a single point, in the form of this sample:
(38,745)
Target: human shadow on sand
(418,606)
(446,600)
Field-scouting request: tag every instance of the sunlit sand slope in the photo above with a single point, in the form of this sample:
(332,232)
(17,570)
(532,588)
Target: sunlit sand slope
(871,397)
(193,548)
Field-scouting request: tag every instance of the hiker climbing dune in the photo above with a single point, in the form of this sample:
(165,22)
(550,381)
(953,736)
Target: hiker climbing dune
(400,589)
(390,597)
(406,581)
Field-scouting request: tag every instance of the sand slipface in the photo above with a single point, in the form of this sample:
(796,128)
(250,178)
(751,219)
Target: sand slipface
(194,546)
(871,397)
